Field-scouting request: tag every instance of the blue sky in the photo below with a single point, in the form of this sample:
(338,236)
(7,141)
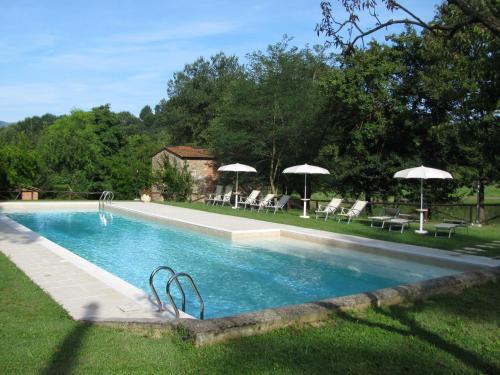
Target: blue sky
(60,55)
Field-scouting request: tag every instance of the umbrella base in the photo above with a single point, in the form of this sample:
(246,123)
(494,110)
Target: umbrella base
(305,217)
(421,231)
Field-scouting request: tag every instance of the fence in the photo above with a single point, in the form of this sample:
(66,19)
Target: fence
(52,194)
(437,211)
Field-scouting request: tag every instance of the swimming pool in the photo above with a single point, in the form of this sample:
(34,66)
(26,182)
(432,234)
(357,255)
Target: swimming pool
(233,277)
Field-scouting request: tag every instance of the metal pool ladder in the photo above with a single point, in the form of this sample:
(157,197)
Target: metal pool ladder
(174,278)
(106,198)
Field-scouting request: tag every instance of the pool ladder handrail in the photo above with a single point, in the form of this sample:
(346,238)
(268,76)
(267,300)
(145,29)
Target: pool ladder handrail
(106,197)
(155,293)
(196,291)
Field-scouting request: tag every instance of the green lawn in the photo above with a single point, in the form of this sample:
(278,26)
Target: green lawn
(491,195)
(475,235)
(450,334)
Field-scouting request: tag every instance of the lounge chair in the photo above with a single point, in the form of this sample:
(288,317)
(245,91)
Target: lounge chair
(226,198)
(279,206)
(329,209)
(352,212)
(263,203)
(217,194)
(387,214)
(250,200)
(449,225)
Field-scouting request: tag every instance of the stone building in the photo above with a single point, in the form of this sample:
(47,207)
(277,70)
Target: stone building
(200,163)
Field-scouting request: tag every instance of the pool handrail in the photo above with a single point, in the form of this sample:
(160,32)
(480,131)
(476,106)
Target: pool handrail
(106,197)
(193,285)
(155,293)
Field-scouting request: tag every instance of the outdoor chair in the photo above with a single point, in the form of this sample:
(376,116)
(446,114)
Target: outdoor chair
(354,211)
(250,200)
(216,195)
(263,203)
(387,214)
(449,225)
(228,188)
(329,209)
(226,198)
(279,206)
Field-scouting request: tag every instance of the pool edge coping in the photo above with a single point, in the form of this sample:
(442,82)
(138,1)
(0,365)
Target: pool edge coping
(219,330)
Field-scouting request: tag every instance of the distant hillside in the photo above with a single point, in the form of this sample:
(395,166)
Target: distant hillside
(3,123)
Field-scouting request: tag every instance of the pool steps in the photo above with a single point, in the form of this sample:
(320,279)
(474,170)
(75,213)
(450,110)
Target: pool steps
(174,277)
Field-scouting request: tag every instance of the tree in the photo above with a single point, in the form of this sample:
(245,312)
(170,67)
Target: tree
(370,136)
(194,95)
(485,13)
(70,153)
(175,183)
(147,116)
(461,86)
(268,118)
(18,166)
(130,167)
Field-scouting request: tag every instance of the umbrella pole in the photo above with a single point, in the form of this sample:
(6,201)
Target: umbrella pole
(304,215)
(421,211)
(236,192)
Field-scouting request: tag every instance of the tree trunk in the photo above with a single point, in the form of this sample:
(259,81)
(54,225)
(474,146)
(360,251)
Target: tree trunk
(368,198)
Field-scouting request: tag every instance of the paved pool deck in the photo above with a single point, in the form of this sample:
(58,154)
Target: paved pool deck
(90,293)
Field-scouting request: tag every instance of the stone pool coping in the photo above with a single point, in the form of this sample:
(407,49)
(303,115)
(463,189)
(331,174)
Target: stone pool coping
(207,332)
(104,298)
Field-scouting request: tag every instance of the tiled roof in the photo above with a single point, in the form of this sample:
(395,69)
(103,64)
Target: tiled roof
(188,152)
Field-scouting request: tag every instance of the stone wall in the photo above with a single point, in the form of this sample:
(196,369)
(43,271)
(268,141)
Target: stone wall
(203,172)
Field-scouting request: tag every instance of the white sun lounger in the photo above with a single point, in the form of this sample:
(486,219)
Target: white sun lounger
(354,211)
(329,209)
(250,200)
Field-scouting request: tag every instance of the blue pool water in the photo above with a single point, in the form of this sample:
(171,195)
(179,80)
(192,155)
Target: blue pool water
(233,277)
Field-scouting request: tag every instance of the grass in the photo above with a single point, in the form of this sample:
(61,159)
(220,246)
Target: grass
(448,334)
(475,235)
(491,195)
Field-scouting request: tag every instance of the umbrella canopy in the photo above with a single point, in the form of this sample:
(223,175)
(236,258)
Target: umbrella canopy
(305,169)
(237,167)
(422,173)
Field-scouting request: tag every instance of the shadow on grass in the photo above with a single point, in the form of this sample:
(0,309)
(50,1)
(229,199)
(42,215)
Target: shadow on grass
(66,354)
(413,328)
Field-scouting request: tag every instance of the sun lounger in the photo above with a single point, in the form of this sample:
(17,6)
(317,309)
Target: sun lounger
(263,203)
(398,222)
(250,200)
(329,209)
(226,198)
(354,211)
(460,223)
(386,215)
(217,194)
(449,227)
(279,206)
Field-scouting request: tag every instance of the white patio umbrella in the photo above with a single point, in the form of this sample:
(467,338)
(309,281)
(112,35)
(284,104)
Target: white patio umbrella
(422,173)
(236,168)
(305,169)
